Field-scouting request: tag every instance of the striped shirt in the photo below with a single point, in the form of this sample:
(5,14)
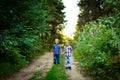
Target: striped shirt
(67,50)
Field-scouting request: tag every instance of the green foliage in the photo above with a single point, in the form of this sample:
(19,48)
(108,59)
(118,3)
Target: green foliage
(36,76)
(98,38)
(27,27)
(98,49)
(6,68)
(88,11)
(101,8)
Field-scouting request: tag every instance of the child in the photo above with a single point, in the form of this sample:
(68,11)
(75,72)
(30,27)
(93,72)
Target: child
(67,51)
(56,50)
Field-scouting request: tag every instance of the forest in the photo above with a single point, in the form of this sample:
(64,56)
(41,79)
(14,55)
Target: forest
(28,29)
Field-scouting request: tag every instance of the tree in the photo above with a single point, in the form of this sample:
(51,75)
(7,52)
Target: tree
(90,10)
(27,27)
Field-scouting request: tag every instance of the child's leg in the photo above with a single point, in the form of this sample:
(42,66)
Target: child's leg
(66,60)
(55,58)
(69,61)
(58,58)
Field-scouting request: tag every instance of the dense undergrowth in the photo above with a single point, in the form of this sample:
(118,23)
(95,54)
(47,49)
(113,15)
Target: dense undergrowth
(27,29)
(97,45)
(98,48)
(17,52)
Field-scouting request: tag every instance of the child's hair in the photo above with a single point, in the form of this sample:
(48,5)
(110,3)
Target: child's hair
(67,41)
(57,40)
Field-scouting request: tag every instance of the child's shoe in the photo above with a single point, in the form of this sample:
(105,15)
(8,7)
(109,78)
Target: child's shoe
(70,68)
(66,68)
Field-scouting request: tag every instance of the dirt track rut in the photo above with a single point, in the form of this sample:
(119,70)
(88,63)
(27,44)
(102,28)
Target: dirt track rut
(74,73)
(42,63)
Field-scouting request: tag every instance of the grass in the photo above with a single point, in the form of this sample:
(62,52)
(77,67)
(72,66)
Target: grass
(57,72)
(6,68)
(36,75)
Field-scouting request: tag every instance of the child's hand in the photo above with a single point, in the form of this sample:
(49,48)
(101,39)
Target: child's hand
(62,53)
(50,52)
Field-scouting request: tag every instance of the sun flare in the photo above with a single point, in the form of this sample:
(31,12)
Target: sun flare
(71,13)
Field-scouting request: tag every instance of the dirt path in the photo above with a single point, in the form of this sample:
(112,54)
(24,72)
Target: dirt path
(74,73)
(43,63)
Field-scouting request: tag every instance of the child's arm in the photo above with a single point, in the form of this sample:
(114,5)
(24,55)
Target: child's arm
(71,50)
(51,50)
(61,51)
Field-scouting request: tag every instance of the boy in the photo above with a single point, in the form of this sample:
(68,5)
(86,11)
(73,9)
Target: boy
(67,51)
(56,50)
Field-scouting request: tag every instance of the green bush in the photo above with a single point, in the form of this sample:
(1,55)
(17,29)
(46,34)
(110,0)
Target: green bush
(97,47)
(6,68)
(27,28)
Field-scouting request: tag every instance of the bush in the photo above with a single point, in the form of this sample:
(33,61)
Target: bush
(6,68)
(27,27)
(98,49)
(17,51)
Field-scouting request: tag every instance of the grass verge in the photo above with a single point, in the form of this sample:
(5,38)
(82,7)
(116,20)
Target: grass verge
(36,76)
(8,68)
(57,72)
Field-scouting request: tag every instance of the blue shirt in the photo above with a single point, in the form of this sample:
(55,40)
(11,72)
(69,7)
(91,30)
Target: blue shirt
(56,48)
